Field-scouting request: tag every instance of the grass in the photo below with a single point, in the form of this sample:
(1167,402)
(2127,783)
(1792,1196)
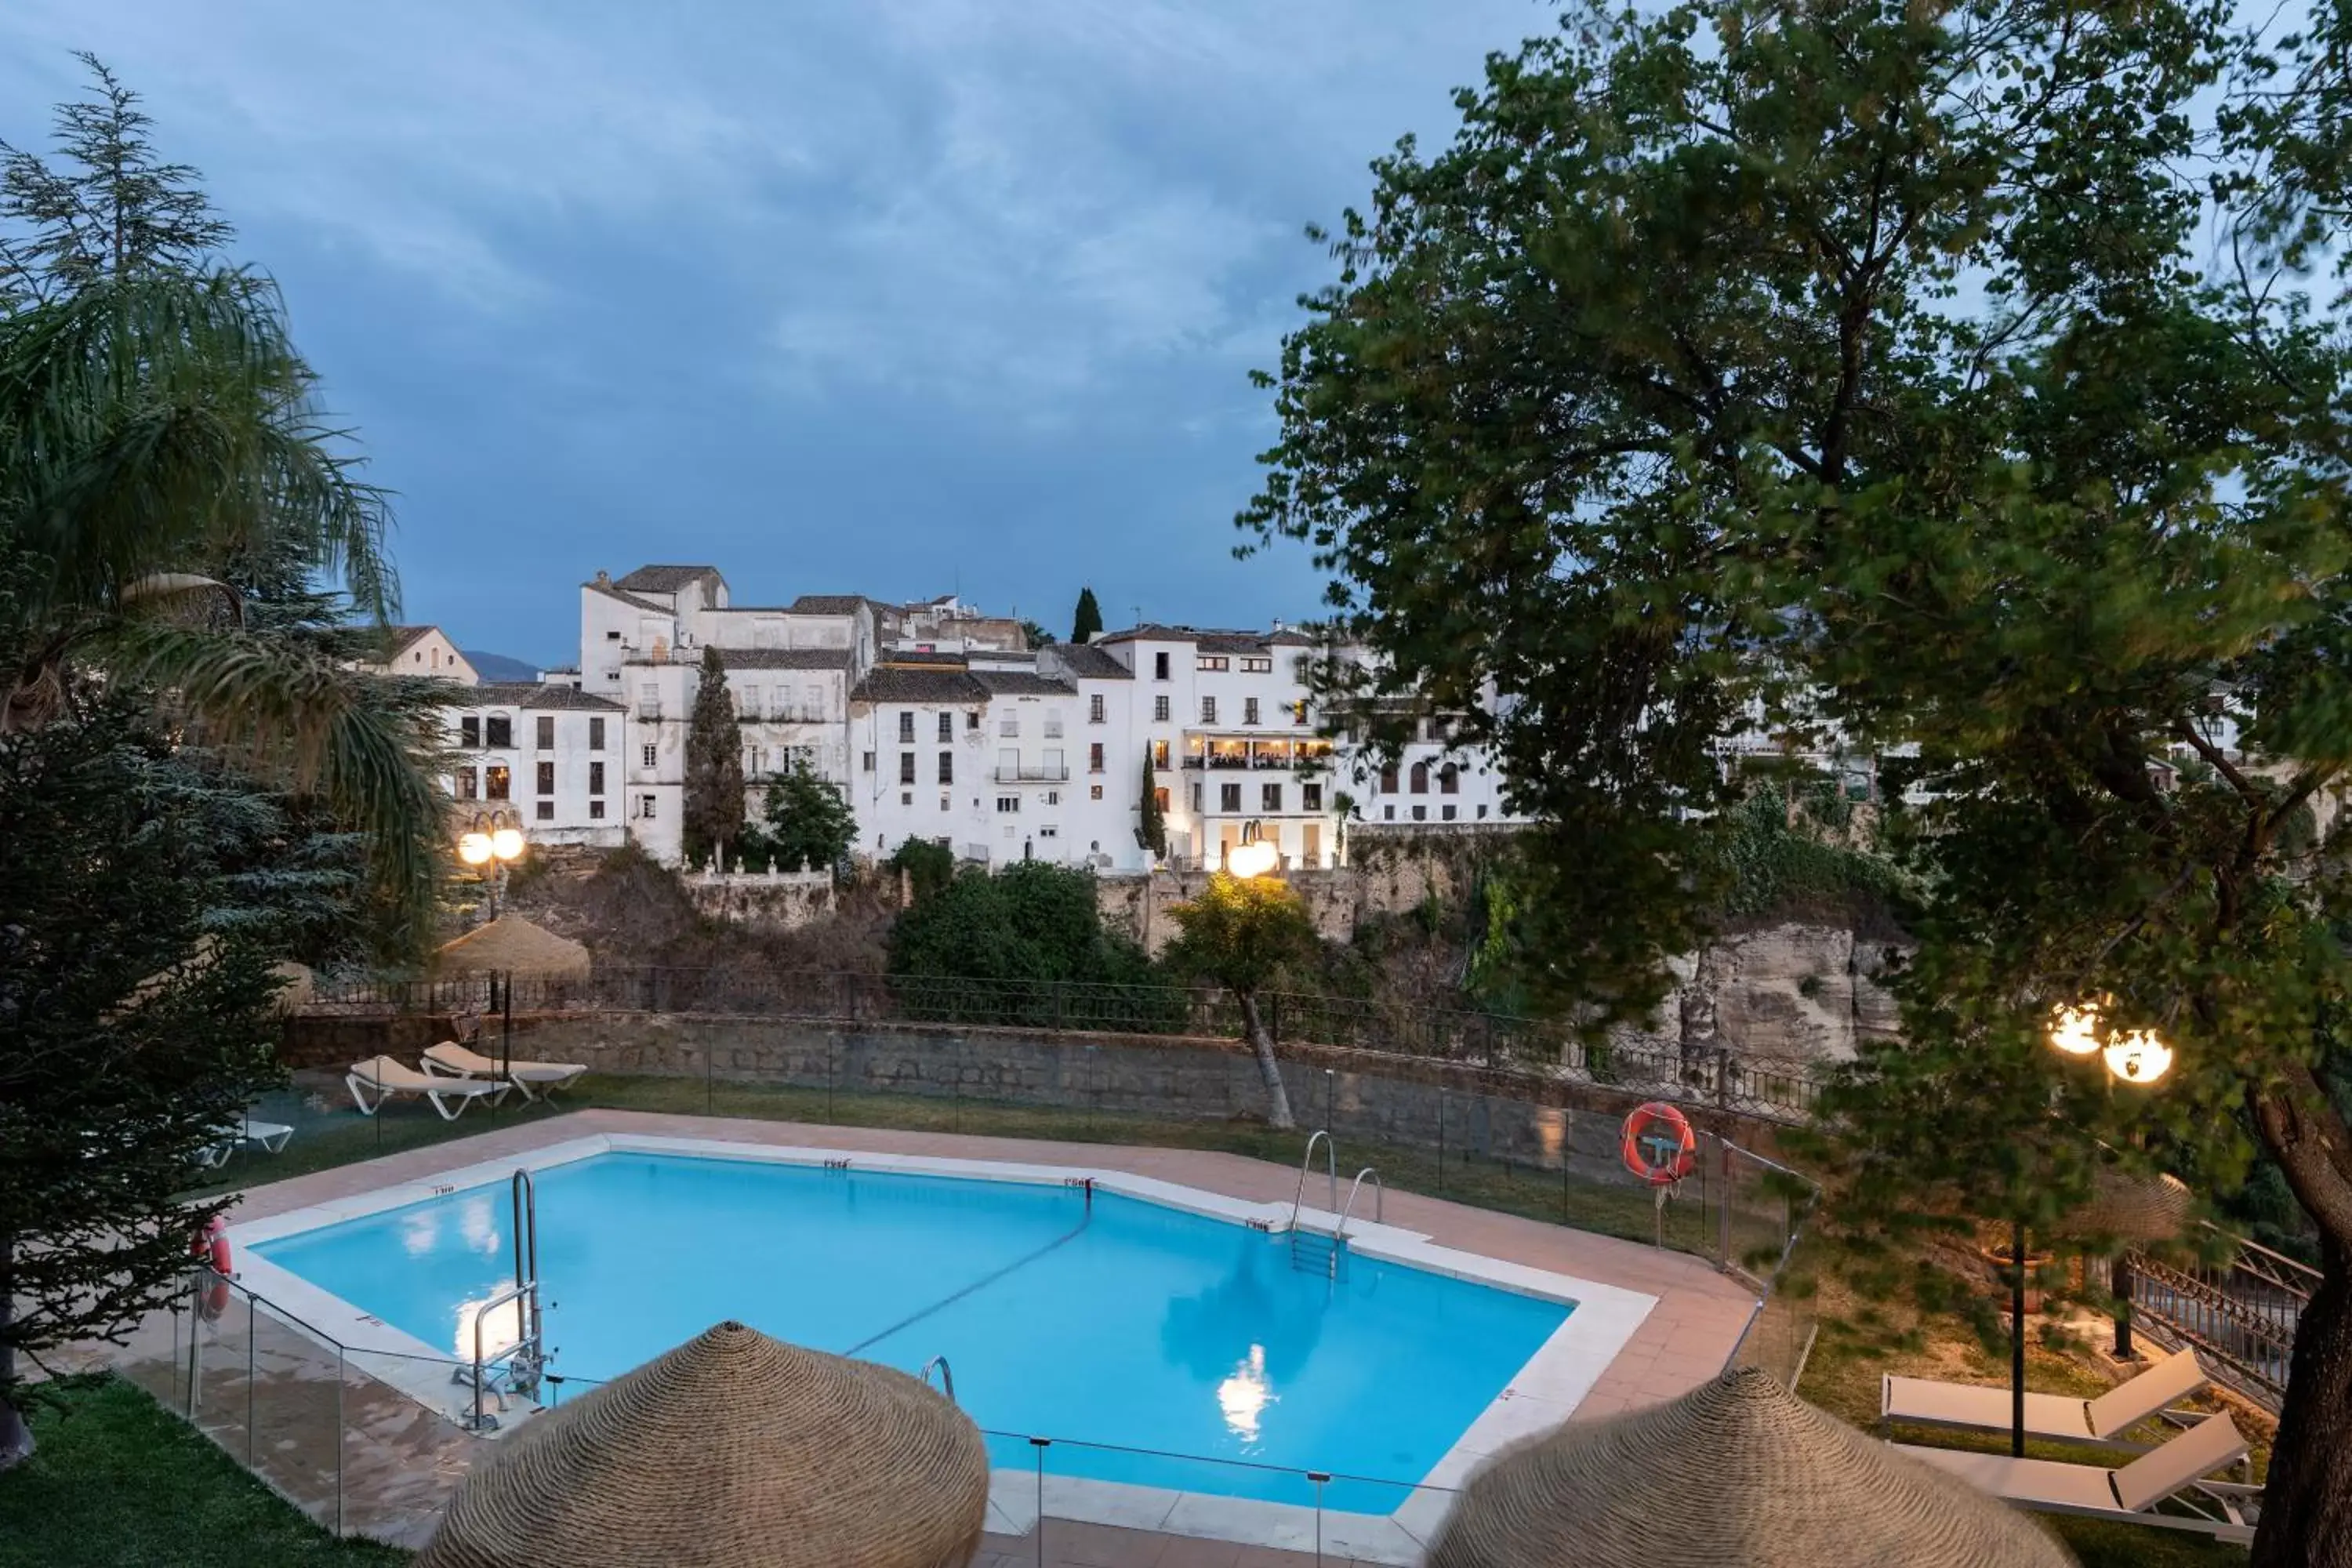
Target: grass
(116,1481)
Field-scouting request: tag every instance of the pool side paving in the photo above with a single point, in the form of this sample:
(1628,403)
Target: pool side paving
(400,1461)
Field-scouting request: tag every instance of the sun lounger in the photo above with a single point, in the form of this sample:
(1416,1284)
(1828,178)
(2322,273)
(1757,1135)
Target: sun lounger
(1922,1401)
(384,1078)
(2179,1469)
(455,1059)
(229,1136)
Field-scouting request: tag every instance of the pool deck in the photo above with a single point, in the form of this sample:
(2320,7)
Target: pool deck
(400,1461)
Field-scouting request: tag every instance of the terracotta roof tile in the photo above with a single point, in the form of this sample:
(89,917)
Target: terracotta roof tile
(662,579)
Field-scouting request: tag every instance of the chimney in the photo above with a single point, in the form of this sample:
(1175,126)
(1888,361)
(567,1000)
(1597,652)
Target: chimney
(603,579)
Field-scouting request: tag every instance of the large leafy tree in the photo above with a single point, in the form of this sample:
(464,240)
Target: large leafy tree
(133,995)
(714,766)
(1240,934)
(805,824)
(1852,373)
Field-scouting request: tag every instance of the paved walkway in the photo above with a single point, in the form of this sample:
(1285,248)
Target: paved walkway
(400,1461)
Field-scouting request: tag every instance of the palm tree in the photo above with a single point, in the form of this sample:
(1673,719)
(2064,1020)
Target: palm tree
(152,427)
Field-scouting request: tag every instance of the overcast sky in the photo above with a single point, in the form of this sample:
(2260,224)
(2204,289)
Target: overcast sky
(894,297)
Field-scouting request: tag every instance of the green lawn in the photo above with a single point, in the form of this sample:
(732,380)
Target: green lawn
(119,1482)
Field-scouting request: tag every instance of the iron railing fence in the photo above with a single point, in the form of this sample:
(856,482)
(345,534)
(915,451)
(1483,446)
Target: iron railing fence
(1773,1089)
(2240,1314)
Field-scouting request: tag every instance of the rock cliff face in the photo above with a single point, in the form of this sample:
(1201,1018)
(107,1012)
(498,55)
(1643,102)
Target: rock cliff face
(1793,990)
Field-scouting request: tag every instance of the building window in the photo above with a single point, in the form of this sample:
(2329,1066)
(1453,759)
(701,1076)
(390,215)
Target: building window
(1191,796)
(1159,753)
(1052,724)
(943,802)
(1446,812)
(649,752)
(1420,813)
(1249,710)
(1229,798)
(1095,709)
(972,719)
(646,807)
(1053,797)
(905,767)
(595,734)
(1009,726)
(595,778)
(1159,667)
(1421,778)
(1095,757)
(907,727)
(1207,710)
(612,637)
(546,811)
(1310,797)
(1299,713)
(1270,796)
(470,730)
(1258,665)
(495,784)
(1094,792)
(467,784)
(1049,832)
(545,725)
(1008,802)
(1389,778)
(947,767)
(1215,661)
(1449,780)
(595,811)
(1388,813)
(546,778)
(946,726)
(1160,710)
(498,732)
(1482,811)
(1160,796)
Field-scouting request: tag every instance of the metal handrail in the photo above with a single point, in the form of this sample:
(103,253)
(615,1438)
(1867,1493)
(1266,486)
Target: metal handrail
(1380,1200)
(525,1198)
(513,1293)
(947,1376)
(1331,1164)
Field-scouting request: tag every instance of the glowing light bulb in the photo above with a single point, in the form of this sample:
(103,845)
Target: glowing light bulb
(2139,1056)
(506,843)
(1253,859)
(2074,1029)
(474,848)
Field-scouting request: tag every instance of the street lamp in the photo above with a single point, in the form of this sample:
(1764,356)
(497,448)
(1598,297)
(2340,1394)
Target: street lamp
(495,840)
(1253,857)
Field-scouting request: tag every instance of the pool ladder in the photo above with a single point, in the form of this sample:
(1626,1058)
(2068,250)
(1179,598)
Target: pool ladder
(1319,1251)
(524,1360)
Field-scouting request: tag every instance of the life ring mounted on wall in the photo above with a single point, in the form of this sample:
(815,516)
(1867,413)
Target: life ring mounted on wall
(1658,1145)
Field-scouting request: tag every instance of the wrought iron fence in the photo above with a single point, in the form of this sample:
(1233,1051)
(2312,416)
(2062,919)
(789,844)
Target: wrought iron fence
(2240,1314)
(1773,1089)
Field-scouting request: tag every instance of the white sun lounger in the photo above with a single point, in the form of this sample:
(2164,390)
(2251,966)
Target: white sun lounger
(455,1060)
(385,1078)
(2177,1469)
(229,1135)
(1922,1401)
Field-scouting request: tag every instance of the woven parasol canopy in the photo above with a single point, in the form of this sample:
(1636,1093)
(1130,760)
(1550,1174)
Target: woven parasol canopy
(1737,1473)
(2131,1209)
(296,985)
(732,1450)
(513,944)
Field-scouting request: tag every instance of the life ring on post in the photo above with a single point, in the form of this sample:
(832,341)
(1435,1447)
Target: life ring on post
(211,1248)
(1658,1145)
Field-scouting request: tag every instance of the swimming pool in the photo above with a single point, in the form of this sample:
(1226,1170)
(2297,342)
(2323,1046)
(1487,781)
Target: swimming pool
(1092,1318)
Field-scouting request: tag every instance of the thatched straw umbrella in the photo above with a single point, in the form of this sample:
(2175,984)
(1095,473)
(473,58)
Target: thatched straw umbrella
(512,945)
(1737,1473)
(732,1450)
(2133,1209)
(296,986)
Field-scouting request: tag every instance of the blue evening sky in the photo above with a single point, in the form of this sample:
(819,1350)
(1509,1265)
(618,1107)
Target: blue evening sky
(894,297)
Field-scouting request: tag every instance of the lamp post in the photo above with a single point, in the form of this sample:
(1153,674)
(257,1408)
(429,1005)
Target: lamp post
(494,841)
(1254,856)
(2134,1056)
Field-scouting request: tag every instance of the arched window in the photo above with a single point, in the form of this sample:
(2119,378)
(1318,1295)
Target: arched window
(1421,778)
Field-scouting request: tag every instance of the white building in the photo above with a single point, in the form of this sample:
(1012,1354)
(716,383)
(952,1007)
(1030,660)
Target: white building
(549,753)
(422,650)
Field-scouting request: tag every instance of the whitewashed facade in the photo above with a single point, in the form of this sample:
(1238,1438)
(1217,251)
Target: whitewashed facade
(550,754)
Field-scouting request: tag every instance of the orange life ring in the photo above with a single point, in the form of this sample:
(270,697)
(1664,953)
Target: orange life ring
(211,1248)
(1650,1126)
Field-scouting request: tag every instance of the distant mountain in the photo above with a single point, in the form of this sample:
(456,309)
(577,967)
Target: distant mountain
(499,666)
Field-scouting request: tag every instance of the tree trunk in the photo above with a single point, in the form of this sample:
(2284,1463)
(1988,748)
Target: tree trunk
(1277,1099)
(16,1437)
(2307,1497)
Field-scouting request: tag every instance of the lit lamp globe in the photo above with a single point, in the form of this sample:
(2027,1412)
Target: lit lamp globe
(2075,1030)
(2138,1057)
(1252,859)
(474,848)
(506,843)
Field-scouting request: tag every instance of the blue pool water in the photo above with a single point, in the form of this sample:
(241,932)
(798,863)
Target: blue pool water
(1124,1323)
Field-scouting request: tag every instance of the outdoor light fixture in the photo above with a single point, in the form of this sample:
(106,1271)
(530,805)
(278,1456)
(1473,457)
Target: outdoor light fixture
(2138,1057)
(495,838)
(506,843)
(474,848)
(1253,859)
(2075,1030)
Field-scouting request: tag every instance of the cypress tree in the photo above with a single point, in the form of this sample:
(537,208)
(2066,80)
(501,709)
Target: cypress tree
(714,766)
(1086,625)
(1151,825)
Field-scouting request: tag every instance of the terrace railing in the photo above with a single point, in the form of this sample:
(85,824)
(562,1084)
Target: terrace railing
(1767,1088)
(2241,1315)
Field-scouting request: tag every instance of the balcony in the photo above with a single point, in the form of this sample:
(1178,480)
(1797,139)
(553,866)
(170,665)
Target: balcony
(1033,773)
(791,715)
(1259,755)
